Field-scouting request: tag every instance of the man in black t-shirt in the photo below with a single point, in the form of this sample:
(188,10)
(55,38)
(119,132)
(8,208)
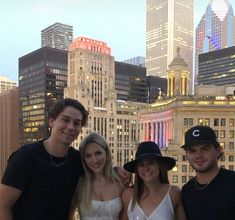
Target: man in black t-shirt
(40,178)
(210,195)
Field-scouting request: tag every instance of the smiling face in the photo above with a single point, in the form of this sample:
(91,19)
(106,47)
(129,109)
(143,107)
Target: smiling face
(67,125)
(95,157)
(203,157)
(148,170)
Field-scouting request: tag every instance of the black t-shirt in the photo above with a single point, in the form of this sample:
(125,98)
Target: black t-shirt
(47,188)
(216,201)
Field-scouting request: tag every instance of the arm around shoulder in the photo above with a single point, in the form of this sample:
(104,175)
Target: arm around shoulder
(8,197)
(126,198)
(176,199)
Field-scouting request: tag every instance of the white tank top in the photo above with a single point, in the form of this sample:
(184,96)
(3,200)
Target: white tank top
(164,211)
(108,210)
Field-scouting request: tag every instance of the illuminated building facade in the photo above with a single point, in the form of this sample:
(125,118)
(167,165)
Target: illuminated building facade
(58,36)
(169,24)
(91,80)
(6,84)
(42,78)
(166,121)
(9,125)
(216,29)
(217,67)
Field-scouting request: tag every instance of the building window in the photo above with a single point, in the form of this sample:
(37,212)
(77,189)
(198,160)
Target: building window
(222,122)
(222,158)
(231,167)
(231,158)
(222,134)
(175,157)
(207,122)
(222,145)
(231,134)
(216,122)
(231,122)
(184,168)
(188,121)
(184,179)
(200,121)
(231,145)
(216,133)
(222,166)
(175,168)
(183,157)
(175,179)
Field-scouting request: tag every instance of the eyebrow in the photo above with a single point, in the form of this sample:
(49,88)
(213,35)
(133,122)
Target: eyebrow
(66,116)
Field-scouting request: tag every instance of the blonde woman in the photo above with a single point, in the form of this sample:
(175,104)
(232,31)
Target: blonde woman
(98,192)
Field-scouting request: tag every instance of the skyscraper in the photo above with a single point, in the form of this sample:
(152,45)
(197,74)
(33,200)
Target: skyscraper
(58,36)
(169,24)
(215,29)
(42,78)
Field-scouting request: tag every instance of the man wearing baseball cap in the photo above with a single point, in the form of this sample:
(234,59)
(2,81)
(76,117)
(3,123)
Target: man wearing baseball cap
(210,195)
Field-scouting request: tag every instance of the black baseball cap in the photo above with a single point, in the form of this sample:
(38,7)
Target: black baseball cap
(199,134)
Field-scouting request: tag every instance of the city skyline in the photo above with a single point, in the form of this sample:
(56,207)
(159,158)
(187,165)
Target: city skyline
(23,22)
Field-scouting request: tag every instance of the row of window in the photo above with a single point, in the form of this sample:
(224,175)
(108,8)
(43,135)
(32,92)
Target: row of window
(209,122)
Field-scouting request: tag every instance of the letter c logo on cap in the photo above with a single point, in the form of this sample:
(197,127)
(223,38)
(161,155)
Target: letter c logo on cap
(196,133)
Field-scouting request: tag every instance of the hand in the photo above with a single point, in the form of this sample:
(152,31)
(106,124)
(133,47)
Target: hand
(124,175)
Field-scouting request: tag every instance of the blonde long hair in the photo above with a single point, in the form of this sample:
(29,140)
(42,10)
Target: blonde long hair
(85,182)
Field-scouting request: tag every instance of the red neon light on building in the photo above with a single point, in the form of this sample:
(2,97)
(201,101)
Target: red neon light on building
(90,44)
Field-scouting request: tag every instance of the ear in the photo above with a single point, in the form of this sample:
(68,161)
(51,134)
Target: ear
(51,122)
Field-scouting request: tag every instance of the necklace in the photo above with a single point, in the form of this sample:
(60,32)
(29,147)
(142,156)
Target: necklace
(58,164)
(55,160)
(200,186)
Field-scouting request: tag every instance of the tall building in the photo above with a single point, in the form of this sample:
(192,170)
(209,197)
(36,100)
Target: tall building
(6,84)
(130,82)
(217,67)
(169,24)
(9,125)
(42,78)
(58,36)
(91,80)
(216,30)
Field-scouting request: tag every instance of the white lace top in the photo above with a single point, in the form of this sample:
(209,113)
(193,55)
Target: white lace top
(108,210)
(164,211)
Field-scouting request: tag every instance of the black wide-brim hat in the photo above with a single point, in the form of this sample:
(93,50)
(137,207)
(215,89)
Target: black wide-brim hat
(148,150)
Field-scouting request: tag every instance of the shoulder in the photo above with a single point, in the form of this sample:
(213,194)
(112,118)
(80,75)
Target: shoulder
(188,185)
(26,151)
(175,193)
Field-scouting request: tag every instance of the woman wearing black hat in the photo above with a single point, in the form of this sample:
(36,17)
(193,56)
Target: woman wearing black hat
(152,197)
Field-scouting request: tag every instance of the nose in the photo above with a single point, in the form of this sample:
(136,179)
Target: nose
(71,125)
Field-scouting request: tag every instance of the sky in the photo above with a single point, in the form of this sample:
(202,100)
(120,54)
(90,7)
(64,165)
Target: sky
(119,23)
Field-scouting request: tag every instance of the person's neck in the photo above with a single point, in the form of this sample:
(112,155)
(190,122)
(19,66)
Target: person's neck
(99,177)
(153,186)
(55,148)
(207,177)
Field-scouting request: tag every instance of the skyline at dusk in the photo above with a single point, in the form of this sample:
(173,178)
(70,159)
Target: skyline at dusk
(121,24)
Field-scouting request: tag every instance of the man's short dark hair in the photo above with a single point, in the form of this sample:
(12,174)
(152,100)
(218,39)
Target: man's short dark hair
(60,105)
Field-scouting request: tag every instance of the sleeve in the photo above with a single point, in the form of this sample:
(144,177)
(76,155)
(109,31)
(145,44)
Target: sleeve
(19,169)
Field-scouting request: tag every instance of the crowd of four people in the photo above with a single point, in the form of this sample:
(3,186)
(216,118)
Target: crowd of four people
(50,180)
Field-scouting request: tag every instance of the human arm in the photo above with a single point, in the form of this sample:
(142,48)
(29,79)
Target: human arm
(126,197)
(73,207)
(8,197)
(177,203)
(124,176)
